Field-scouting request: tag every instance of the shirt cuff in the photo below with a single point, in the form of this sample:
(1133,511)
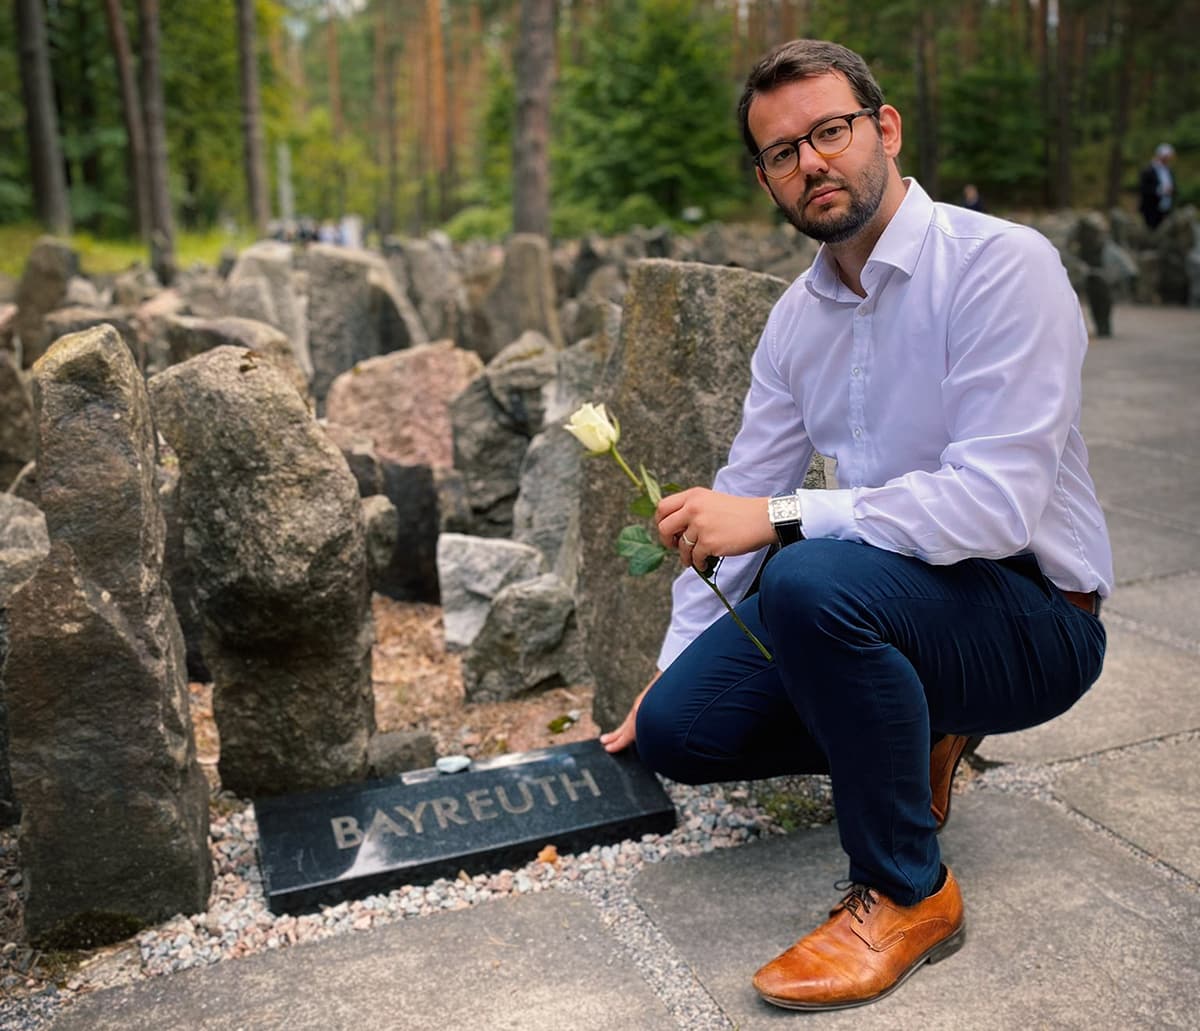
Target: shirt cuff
(828,514)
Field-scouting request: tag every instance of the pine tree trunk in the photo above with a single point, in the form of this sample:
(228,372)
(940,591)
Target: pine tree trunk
(162,227)
(927,102)
(131,113)
(531,141)
(1116,159)
(1062,176)
(252,131)
(41,119)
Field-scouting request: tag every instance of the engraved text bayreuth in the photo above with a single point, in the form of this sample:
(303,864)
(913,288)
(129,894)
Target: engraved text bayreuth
(478,805)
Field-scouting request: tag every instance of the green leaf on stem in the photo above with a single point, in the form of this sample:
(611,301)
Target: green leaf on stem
(642,506)
(671,488)
(653,490)
(643,554)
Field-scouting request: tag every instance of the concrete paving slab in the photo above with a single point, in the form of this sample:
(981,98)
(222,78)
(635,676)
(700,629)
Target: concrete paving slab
(534,962)
(1144,548)
(1150,797)
(1066,930)
(1147,690)
(1171,604)
(1124,474)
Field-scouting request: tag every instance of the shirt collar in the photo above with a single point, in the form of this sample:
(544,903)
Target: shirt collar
(899,246)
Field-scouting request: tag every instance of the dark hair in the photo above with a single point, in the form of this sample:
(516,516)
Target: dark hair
(803,59)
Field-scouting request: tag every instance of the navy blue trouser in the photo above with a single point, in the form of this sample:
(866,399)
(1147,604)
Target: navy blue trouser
(875,655)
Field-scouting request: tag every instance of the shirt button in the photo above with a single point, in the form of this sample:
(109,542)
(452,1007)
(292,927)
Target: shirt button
(858,431)
(855,370)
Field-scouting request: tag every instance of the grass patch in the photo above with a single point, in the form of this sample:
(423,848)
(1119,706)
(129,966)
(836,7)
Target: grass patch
(99,257)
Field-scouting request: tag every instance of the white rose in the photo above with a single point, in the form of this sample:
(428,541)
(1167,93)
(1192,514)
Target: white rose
(591,426)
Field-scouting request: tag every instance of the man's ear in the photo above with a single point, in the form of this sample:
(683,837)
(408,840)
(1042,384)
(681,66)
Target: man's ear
(762,181)
(890,130)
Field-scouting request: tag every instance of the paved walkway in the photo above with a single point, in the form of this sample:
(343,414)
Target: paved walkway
(1079,856)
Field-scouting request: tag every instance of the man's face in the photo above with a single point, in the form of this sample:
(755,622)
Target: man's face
(827,199)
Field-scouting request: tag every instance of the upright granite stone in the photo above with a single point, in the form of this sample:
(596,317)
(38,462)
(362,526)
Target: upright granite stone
(23,546)
(488,450)
(17,441)
(520,376)
(43,287)
(546,512)
(523,298)
(114,818)
(274,536)
(188,337)
(472,571)
(77,318)
(355,312)
(401,403)
(676,382)
(271,296)
(530,642)
(436,286)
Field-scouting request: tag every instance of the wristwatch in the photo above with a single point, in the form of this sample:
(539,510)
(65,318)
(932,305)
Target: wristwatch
(784,512)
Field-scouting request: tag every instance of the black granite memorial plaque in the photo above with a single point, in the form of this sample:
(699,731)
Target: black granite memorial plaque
(361,839)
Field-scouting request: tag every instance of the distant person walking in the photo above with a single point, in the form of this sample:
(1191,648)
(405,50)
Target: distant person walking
(1157,186)
(971,198)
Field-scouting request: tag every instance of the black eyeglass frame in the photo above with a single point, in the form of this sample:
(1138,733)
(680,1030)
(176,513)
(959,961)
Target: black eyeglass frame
(807,138)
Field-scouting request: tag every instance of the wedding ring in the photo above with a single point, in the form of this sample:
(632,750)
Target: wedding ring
(687,541)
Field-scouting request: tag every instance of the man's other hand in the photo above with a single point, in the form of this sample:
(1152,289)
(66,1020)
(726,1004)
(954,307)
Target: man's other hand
(621,738)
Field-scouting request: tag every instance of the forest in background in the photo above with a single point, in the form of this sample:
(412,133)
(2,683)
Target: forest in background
(415,114)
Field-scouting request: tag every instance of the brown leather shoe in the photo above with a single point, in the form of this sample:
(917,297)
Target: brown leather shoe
(943,761)
(865,950)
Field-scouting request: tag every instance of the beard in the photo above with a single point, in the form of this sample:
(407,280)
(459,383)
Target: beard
(865,197)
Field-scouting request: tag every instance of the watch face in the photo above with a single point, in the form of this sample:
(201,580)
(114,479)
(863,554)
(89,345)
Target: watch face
(784,509)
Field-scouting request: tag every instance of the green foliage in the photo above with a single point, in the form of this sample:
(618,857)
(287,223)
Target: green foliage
(992,131)
(100,256)
(643,554)
(480,222)
(644,120)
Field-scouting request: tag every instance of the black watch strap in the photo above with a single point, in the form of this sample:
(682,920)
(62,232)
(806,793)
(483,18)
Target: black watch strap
(784,513)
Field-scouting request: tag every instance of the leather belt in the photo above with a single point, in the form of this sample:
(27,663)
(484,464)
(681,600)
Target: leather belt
(1089,602)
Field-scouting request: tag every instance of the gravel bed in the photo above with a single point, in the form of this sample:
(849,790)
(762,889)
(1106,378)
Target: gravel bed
(237,922)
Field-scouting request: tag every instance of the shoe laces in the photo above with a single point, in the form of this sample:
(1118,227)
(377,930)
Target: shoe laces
(858,897)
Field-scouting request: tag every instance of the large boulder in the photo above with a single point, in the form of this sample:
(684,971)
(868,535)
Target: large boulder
(23,545)
(355,312)
(77,318)
(8,326)
(546,511)
(435,285)
(17,441)
(488,450)
(274,537)
(530,642)
(520,377)
(43,287)
(472,571)
(262,285)
(114,819)
(150,321)
(401,401)
(523,298)
(188,337)
(676,382)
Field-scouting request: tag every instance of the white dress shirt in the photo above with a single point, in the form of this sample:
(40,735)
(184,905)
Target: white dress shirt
(949,396)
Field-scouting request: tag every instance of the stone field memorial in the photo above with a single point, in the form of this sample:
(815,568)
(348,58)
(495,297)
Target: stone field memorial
(360,839)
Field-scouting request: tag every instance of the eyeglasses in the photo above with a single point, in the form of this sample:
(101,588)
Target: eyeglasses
(828,138)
